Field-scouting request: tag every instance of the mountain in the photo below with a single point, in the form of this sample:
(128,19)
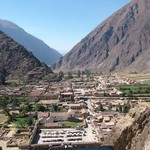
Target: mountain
(121,43)
(40,50)
(18,62)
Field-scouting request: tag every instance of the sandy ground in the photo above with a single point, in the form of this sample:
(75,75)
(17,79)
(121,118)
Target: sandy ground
(3,145)
(3,118)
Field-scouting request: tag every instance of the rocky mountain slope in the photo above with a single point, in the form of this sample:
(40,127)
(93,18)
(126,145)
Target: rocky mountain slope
(18,62)
(42,51)
(133,131)
(120,43)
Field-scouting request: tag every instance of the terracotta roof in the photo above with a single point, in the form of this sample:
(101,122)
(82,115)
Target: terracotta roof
(43,114)
(55,124)
(48,102)
(84,111)
(73,111)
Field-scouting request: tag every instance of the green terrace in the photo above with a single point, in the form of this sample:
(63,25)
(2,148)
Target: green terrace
(21,122)
(134,89)
(72,124)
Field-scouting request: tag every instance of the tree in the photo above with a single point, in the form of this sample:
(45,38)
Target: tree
(22,113)
(28,108)
(79,73)
(15,102)
(54,108)
(87,72)
(70,76)
(3,102)
(129,92)
(40,108)
(61,74)
(2,76)
(126,108)
(120,108)
(29,121)
(97,84)
(110,106)
(101,107)
(83,72)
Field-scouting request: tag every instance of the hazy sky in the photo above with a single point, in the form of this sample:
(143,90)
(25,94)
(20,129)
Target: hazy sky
(59,23)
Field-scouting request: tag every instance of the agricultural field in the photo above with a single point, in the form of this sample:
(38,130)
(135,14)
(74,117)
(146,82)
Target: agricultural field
(72,124)
(134,89)
(145,78)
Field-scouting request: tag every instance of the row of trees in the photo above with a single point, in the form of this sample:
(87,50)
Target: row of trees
(70,74)
(122,109)
(24,105)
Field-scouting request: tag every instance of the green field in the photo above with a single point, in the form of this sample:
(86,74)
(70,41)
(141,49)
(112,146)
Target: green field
(134,89)
(20,122)
(147,82)
(72,124)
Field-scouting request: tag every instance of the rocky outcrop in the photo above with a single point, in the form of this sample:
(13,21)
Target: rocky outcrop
(132,131)
(120,43)
(39,49)
(18,62)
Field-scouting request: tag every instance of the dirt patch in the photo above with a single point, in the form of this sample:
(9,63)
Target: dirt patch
(3,145)
(3,118)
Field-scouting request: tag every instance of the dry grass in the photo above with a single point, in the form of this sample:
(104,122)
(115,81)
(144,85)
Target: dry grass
(3,118)
(139,76)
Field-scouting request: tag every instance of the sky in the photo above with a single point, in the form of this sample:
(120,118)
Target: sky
(59,23)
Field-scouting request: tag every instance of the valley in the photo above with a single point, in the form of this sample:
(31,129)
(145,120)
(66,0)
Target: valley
(68,112)
(95,97)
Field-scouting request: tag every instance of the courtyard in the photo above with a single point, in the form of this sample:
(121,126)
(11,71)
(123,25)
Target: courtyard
(65,135)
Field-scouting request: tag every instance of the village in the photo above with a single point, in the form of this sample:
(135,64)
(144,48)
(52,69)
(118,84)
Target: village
(73,112)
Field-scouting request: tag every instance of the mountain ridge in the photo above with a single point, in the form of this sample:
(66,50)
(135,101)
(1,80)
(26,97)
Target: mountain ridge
(18,62)
(40,49)
(115,44)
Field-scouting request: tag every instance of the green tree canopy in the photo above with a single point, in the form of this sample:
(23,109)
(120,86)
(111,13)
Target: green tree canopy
(70,76)
(79,73)
(61,74)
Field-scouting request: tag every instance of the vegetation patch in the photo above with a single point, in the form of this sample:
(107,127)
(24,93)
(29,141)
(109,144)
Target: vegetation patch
(21,122)
(139,76)
(147,82)
(71,124)
(134,89)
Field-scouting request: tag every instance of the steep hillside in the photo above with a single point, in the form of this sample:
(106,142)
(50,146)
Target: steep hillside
(18,62)
(120,43)
(42,51)
(133,131)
